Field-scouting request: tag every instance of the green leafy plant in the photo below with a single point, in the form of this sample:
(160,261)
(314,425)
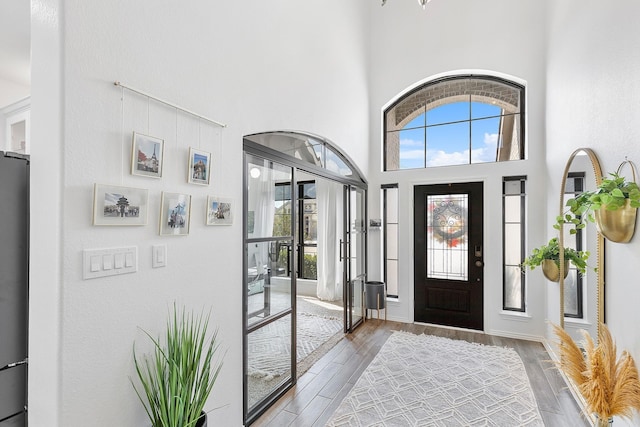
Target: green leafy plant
(551,251)
(612,193)
(180,374)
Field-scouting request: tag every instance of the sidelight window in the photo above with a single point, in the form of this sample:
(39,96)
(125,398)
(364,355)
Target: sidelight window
(390,243)
(513,219)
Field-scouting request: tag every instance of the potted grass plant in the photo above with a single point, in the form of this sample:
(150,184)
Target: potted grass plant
(609,384)
(177,378)
(548,257)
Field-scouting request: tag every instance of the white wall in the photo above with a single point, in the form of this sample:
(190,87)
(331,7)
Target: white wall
(593,91)
(256,66)
(296,65)
(408,46)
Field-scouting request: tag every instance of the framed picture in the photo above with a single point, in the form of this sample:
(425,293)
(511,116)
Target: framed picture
(113,205)
(147,155)
(175,213)
(199,166)
(219,211)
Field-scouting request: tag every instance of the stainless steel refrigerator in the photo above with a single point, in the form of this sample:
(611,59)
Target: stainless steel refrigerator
(14,287)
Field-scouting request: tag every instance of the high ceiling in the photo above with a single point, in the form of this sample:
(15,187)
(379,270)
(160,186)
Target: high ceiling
(15,50)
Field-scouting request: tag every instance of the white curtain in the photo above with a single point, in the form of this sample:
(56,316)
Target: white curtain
(262,203)
(329,197)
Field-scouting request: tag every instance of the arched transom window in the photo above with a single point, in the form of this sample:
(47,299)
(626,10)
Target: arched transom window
(455,121)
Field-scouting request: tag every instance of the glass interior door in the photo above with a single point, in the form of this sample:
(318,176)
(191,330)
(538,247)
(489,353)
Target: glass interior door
(355,242)
(269,321)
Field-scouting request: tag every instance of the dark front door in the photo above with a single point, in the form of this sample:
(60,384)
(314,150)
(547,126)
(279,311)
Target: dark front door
(448,254)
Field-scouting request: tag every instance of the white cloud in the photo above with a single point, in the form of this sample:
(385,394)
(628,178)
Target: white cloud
(487,153)
(406,142)
(411,154)
(491,138)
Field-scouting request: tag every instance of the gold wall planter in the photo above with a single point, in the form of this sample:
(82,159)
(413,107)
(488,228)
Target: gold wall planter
(551,271)
(618,225)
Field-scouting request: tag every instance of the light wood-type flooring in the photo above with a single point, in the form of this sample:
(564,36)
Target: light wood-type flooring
(319,392)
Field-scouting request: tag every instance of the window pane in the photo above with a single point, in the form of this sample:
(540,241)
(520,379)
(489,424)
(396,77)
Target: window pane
(267,215)
(513,288)
(512,244)
(484,140)
(392,205)
(336,164)
(448,145)
(513,187)
(512,209)
(447,251)
(412,146)
(449,113)
(268,293)
(392,241)
(392,278)
(268,359)
(509,145)
(310,263)
(480,110)
(408,113)
(571,294)
(298,146)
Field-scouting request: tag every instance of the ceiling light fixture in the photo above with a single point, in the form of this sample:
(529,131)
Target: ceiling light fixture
(422,3)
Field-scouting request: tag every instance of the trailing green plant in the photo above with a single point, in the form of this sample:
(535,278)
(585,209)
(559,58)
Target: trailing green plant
(612,193)
(551,251)
(179,375)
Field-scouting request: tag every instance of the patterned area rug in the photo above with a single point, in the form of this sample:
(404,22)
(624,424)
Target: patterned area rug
(269,347)
(422,380)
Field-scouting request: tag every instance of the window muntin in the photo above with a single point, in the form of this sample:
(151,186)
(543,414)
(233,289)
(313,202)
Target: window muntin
(453,121)
(513,219)
(390,236)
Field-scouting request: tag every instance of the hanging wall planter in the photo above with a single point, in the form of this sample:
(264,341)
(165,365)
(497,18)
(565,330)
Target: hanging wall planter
(552,272)
(612,206)
(617,225)
(548,257)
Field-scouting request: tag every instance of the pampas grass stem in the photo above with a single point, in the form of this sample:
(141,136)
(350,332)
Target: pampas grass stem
(610,385)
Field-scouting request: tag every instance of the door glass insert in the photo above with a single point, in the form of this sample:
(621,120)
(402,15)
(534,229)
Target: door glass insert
(268,359)
(447,237)
(268,285)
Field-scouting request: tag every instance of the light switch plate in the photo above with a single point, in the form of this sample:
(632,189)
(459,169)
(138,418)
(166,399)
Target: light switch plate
(109,262)
(159,256)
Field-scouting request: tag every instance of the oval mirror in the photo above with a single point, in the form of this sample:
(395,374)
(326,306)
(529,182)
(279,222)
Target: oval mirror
(582,296)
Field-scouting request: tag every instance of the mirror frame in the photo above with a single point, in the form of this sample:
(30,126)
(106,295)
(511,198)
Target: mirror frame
(597,170)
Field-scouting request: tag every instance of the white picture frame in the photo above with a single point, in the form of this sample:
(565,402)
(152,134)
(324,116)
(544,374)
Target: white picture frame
(219,211)
(147,156)
(175,214)
(116,205)
(199,167)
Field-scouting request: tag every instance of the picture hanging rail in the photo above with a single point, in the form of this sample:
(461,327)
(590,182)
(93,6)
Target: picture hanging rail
(170,104)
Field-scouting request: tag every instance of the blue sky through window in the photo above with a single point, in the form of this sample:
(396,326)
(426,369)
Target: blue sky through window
(447,142)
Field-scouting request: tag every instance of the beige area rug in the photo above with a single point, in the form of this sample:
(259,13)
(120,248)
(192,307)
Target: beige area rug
(271,356)
(269,348)
(422,380)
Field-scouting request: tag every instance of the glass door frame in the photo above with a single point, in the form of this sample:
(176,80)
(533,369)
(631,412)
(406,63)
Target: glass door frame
(253,149)
(351,278)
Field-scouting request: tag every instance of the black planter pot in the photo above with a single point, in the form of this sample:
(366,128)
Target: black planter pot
(202,421)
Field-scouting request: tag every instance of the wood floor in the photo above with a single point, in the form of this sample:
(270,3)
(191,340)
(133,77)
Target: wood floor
(322,388)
